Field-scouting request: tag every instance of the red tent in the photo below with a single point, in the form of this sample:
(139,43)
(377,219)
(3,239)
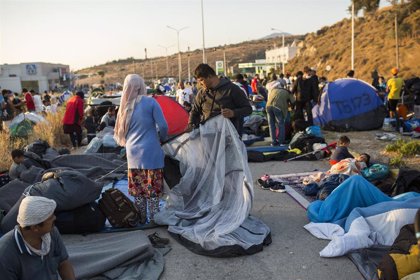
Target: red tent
(176,116)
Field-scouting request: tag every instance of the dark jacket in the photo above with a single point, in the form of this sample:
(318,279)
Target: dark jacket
(340,153)
(208,103)
(306,89)
(300,90)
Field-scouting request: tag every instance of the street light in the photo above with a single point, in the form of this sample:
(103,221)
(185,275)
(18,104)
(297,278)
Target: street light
(179,51)
(202,30)
(167,59)
(282,35)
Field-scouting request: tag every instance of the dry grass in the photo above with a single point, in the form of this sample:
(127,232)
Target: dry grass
(52,130)
(6,146)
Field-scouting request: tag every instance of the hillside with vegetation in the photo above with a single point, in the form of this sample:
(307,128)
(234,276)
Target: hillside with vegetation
(329,46)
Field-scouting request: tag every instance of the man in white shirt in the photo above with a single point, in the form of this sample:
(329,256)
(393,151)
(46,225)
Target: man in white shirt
(184,94)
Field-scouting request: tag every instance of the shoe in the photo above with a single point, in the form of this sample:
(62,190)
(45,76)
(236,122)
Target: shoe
(157,241)
(274,144)
(278,187)
(265,184)
(265,177)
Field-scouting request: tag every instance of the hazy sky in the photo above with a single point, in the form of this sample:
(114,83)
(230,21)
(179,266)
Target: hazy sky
(89,32)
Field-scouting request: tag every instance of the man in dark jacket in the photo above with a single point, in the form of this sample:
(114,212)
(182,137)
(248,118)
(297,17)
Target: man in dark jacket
(306,90)
(218,96)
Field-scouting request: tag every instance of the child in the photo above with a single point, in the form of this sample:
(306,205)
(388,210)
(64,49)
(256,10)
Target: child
(341,152)
(90,125)
(17,166)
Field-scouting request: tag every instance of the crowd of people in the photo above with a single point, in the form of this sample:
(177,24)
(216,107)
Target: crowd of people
(12,104)
(139,126)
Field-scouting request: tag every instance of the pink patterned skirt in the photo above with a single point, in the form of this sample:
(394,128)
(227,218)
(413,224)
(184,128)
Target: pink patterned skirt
(147,183)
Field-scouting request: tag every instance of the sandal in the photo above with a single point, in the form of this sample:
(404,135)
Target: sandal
(158,241)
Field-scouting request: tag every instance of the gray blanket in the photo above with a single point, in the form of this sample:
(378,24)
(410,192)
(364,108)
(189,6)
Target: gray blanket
(126,255)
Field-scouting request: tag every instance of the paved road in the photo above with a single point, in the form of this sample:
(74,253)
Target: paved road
(293,255)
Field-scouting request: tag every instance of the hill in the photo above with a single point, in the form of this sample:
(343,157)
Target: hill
(329,46)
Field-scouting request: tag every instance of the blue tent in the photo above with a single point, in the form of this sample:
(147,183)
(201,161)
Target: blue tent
(349,104)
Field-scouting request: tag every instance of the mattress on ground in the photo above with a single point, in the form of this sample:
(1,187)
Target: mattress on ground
(126,255)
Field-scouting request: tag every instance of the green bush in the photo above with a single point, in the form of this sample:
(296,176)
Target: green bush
(397,161)
(410,148)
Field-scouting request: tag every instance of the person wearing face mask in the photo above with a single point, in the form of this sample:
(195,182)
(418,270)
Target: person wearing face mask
(217,96)
(34,248)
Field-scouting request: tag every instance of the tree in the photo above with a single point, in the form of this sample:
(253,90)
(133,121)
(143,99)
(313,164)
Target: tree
(101,73)
(368,6)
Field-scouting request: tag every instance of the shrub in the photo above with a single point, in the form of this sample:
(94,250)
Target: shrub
(7,144)
(52,130)
(397,161)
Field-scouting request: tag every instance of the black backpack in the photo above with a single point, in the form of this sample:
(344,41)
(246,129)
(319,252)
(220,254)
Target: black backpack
(119,209)
(85,219)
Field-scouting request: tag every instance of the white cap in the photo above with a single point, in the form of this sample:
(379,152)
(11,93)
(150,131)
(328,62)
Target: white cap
(34,210)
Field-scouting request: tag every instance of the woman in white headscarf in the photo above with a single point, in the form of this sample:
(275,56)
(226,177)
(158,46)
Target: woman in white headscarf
(138,118)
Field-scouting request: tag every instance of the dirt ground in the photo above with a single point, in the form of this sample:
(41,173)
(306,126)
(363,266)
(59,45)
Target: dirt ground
(366,142)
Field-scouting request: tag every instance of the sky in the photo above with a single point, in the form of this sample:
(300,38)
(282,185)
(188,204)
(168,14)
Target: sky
(84,33)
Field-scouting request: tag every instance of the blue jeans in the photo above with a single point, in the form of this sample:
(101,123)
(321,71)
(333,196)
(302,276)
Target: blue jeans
(276,120)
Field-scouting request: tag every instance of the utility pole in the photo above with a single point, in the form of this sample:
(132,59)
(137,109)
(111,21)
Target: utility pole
(224,60)
(283,57)
(397,55)
(202,30)
(151,69)
(352,35)
(179,51)
(189,69)
(167,58)
(145,62)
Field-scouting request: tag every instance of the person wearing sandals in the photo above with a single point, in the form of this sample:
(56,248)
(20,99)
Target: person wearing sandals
(140,127)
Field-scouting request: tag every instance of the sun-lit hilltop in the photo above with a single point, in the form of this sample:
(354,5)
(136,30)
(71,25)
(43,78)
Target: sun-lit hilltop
(329,46)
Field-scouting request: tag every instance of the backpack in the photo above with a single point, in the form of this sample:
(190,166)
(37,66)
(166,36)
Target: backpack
(119,209)
(375,172)
(85,219)
(38,147)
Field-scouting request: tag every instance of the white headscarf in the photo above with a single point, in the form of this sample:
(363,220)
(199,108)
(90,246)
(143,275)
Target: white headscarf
(34,210)
(134,88)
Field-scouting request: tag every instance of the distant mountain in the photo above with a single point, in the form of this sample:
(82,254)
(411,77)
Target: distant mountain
(328,48)
(275,35)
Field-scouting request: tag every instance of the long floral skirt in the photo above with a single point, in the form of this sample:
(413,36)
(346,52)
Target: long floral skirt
(146,186)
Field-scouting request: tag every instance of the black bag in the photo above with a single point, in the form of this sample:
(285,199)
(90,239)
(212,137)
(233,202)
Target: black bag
(85,219)
(119,209)
(38,147)
(4,179)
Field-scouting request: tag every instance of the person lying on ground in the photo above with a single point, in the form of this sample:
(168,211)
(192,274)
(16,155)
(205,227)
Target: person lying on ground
(341,152)
(17,167)
(348,166)
(34,248)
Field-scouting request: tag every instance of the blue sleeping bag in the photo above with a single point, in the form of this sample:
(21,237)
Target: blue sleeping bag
(354,192)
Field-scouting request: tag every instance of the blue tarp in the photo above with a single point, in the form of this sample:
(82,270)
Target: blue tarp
(354,192)
(349,104)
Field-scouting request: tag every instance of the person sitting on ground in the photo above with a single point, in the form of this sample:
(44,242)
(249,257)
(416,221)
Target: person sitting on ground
(34,248)
(341,152)
(90,125)
(17,166)
(108,119)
